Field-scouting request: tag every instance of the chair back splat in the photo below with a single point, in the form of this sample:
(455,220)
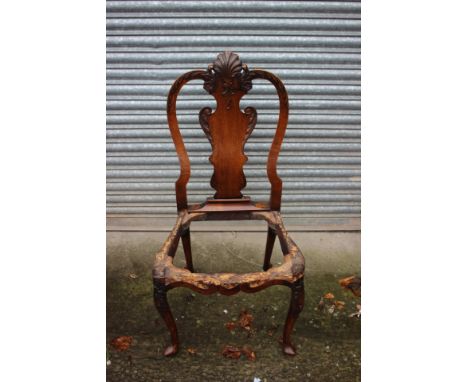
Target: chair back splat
(228,128)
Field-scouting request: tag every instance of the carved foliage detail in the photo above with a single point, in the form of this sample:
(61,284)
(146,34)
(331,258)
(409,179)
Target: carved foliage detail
(251,114)
(203,117)
(227,75)
(205,114)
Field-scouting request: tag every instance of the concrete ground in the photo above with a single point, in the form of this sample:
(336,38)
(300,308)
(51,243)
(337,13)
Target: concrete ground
(327,339)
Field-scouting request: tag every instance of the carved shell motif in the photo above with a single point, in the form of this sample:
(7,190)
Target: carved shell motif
(227,64)
(229,72)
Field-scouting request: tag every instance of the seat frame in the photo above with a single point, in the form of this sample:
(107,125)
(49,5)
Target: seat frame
(228,129)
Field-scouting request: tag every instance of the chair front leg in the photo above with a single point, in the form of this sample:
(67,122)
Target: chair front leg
(295,308)
(162,305)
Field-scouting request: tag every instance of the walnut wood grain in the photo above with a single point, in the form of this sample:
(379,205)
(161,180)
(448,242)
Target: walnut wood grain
(228,128)
(181,183)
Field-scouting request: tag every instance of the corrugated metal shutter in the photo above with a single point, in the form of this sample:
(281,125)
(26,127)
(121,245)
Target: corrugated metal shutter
(314,47)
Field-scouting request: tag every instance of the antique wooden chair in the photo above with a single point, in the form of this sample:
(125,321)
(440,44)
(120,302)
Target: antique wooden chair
(228,129)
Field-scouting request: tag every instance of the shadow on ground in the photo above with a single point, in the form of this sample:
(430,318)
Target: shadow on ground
(328,343)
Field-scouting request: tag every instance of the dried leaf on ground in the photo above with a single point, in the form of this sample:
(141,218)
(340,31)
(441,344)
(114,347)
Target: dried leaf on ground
(121,343)
(132,275)
(339,304)
(191,351)
(245,320)
(353,284)
(231,325)
(249,353)
(231,352)
(329,296)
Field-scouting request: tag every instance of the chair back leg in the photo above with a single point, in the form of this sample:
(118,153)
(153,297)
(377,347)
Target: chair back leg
(187,250)
(271,236)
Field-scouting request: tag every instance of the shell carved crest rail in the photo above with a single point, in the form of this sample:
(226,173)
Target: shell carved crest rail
(228,128)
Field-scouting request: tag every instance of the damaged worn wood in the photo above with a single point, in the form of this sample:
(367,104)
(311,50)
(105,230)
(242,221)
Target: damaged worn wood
(292,269)
(228,129)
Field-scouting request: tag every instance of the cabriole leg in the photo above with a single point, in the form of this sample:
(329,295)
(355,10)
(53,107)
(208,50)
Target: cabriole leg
(295,308)
(160,301)
(187,250)
(271,235)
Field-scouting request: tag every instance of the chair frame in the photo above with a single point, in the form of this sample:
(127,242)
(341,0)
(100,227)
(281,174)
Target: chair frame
(228,129)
